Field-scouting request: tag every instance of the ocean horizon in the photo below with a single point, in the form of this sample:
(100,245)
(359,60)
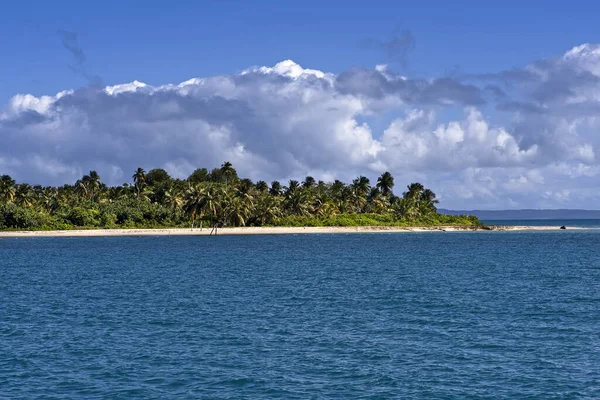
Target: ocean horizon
(573,222)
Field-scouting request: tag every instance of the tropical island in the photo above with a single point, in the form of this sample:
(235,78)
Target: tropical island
(216,199)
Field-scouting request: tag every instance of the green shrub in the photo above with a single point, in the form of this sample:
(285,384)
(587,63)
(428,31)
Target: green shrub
(108,220)
(16,217)
(80,216)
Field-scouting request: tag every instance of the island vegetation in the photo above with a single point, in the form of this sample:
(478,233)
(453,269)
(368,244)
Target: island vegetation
(217,198)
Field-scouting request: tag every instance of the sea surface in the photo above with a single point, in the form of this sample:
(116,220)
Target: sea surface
(579,223)
(435,315)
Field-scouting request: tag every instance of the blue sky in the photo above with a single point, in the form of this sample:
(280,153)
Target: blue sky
(492,106)
(160,42)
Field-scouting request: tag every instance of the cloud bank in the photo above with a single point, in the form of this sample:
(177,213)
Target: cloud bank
(526,137)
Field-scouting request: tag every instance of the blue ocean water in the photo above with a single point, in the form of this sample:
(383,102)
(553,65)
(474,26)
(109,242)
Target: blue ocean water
(455,315)
(579,223)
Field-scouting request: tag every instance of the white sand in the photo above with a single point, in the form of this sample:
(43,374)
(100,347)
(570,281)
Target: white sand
(262,230)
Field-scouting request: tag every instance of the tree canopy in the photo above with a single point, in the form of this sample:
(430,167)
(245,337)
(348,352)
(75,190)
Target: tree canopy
(218,197)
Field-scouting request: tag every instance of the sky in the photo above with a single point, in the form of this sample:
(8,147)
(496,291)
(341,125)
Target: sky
(492,106)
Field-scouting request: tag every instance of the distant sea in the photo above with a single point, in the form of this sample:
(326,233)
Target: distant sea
(432,315)
(580,223)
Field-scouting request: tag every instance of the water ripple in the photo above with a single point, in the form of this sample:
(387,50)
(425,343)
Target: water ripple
(432,316)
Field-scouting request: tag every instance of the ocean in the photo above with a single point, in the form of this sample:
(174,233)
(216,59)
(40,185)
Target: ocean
(434,315)
(579,223)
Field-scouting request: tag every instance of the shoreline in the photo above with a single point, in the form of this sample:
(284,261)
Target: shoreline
(268,231)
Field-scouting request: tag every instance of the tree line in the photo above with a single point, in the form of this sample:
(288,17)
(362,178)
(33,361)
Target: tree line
(216,198)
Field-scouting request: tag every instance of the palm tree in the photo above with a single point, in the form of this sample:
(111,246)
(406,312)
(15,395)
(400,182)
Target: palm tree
(237,210)
(323,206)
(228,171)
(24,195)
(267,209)
(139,179)
(344,201)
(292,187)
(414,191)
(118,192)
(38,192)
(64,195)
(428,202)
(309,182)
(83,187)
(49,199)
(337,187)
(385,183)
(361,186)
(321,187)
(7,189)
(245,185)
(207,197)
(173,200)
(297,202)
(275,188)
(92,182)
(212,203)
(262,186)
(410,206)
(193,202)
(375,201)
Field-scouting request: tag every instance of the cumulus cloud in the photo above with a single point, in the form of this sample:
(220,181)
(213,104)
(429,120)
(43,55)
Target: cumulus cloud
(539,149)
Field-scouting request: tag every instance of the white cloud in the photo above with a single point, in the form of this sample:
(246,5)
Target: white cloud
(286,121)
(412,143)
(127,87)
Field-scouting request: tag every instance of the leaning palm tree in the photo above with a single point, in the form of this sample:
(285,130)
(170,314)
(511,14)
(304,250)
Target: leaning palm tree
(82,187)
(7,189)
(428,202)
(237,210)
(385,183)
(324,207)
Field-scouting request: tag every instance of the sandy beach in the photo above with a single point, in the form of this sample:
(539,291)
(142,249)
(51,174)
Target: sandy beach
(266,231)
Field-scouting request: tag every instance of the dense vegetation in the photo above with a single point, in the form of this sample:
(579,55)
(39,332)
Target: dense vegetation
(216,198)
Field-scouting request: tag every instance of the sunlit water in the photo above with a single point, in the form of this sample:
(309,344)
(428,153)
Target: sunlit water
(374,316)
